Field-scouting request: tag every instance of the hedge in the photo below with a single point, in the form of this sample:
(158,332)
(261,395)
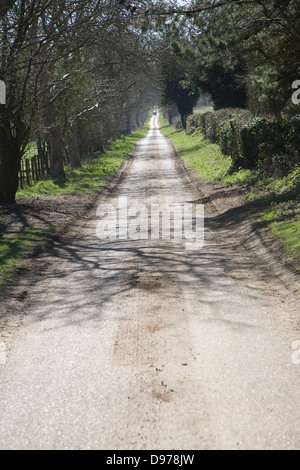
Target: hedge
(177,123)
(271,143)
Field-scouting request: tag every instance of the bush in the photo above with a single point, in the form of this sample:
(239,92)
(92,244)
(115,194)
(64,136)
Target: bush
(270,143)
(194,122)
(229,130)
(177,123)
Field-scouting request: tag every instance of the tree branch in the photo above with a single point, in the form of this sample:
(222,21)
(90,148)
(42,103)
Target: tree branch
(194,11)
(5,6)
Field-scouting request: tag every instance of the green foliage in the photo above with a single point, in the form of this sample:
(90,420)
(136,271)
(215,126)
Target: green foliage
(177,123)
(246,54)
(14,246)
(224,85)
(269,143)
(184,94)
(198,153)
(178,85)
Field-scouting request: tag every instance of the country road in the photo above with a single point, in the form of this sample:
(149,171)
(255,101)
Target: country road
(144,344)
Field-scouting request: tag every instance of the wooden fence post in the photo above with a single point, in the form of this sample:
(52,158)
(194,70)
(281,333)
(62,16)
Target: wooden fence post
(27,171)
(21,175)
(34,168)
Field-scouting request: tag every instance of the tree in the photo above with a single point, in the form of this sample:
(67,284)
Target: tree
(17,65)
(178,85)
(5,6)
(259,41)
(245,52)
(105,88)
(76,22)
(184,95)
(45,46)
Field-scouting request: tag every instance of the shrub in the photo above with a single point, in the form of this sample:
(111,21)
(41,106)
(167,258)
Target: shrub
(195,121)
(270,143)
(177,123)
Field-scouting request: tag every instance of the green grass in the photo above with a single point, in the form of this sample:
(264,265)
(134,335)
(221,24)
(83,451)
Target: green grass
(276,198)
(14,247)
(280,199)
(203,110)
(31,150)
(289,234)
(197,153)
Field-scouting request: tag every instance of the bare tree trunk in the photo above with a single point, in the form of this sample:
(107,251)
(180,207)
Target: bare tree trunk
(10,157)
(49,117)
(74,151)
(73,145)
(118,119)
(56,144)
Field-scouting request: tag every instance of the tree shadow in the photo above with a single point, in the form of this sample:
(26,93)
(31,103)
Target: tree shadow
(90,273)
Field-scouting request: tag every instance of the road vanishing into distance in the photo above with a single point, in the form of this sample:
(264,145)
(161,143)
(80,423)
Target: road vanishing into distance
(136,344)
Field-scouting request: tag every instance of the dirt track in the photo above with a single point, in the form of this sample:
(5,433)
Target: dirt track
(146,345)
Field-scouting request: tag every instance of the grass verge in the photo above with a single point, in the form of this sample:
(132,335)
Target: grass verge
(91,175)
(203,109)
(276,199)
(15,247)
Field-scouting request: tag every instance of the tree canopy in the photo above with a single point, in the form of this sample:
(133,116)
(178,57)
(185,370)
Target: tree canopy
(243,52)
(65,64)
(79,73)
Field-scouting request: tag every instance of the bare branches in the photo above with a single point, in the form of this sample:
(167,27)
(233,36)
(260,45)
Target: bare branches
(5,6)
(84,113)
(205,7)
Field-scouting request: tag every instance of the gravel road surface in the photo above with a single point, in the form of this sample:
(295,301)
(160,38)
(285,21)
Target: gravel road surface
(144,344)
